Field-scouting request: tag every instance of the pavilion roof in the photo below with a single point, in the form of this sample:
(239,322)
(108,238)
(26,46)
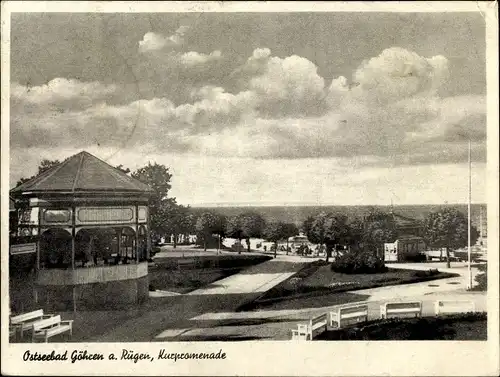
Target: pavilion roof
(82,172)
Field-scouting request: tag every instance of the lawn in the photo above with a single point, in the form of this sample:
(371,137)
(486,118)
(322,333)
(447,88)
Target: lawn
(182,275)
(468,326)
(184,281)
(317,279)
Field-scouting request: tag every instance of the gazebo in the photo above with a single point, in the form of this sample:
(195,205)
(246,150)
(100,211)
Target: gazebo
(88,224)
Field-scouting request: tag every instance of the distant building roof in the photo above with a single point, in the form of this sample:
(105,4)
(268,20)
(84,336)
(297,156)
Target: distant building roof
(82,172)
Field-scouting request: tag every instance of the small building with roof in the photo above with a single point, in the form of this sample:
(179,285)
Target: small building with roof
(408,243)
(87,224)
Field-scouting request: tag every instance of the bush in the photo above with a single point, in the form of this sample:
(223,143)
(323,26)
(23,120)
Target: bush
(415,258)
(431,272)
(358,263)
(155,250)
(481,279)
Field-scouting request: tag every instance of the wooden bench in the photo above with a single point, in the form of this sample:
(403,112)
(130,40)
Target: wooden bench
(348,314)
(25,321)
(316,325)
(454,306)
(398,309)
(47,328)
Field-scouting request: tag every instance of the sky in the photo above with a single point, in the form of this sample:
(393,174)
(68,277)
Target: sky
(259,108)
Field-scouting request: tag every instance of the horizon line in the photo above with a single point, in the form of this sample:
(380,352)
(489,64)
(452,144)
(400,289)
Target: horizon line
(302,204)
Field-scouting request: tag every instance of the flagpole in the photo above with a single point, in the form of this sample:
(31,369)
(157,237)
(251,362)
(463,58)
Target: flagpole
(469,282)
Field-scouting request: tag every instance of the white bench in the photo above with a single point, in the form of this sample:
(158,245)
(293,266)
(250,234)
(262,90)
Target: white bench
(316,325)
(454,306)
(398,309)
(47,328)
(25,321)
(348,314)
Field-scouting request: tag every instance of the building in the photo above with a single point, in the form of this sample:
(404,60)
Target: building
(404,248)
(407,243)
(87,225)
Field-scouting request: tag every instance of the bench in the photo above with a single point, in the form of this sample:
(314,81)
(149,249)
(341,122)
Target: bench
(25,321)
(348,314)
(454,306)
(12,332)
(398,309)
(47,328)
(316,325)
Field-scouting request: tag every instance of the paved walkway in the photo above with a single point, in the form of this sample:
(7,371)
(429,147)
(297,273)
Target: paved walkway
(209,313)
(276,324)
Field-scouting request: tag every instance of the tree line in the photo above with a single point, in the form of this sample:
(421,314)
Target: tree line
(445,228)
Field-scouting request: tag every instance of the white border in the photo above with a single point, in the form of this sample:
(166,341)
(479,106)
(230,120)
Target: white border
(277,358)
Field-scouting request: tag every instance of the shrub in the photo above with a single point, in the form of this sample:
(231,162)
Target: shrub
(358,263)
(481,279)
(431,272)
(415,258)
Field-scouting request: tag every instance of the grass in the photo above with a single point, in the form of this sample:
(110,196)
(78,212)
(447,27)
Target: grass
(199,272)
(186,280)
(317,279)
(467,326)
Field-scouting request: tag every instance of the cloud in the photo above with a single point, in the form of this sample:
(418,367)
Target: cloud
(155,42)
(260,53)
(61,91)
(282,111)
(284,86)
(194,58)
(399,73)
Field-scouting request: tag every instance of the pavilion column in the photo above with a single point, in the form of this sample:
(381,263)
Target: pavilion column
(119,250)
(137,246)
(73,236)
(148,235)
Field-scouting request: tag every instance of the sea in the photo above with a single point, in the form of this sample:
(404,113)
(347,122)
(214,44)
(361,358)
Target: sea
(297,214)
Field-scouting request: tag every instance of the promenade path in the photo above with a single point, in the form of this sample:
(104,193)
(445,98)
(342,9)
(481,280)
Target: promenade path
(210,313)
(172,314)
(276,324)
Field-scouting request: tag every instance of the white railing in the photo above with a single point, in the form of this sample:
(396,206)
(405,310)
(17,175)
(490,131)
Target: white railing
(96,274)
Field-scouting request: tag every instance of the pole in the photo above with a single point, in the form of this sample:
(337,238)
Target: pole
(481,224)
(469,282)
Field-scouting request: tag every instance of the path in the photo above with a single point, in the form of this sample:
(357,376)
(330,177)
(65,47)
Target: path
(276,324)
(209,313)
(173,314)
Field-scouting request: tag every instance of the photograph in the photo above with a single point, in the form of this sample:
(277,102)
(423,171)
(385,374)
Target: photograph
(246,177)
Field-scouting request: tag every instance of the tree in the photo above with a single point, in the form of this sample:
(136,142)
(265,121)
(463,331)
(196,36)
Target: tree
(123,169)
(161,207)
(307,224)
(447,228)
(43,167)
(220,228)
(157,177)
(274,232)
(205,226)
(173,217)
(314,228)
(337,233)
(290,230)
(246,225)
(331,230)
(378,228)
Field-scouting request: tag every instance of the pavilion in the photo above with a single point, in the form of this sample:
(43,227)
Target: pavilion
(88,224)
